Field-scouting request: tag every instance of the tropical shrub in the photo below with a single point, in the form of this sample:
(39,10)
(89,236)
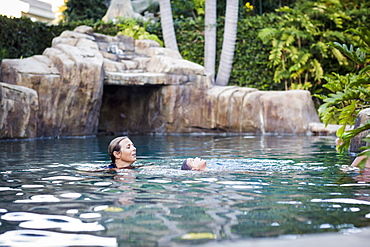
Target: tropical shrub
(299,51)
(136,29)
(350,92)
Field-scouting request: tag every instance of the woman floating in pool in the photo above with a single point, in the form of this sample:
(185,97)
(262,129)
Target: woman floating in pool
(196,164)
(122,153)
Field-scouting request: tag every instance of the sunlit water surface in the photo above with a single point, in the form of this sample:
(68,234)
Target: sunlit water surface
(254,187)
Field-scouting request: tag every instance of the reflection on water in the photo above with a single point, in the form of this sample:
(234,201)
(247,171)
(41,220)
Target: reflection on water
(254,186)
(49,238)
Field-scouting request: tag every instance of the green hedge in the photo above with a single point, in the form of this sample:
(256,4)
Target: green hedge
(251,55)
(21,37)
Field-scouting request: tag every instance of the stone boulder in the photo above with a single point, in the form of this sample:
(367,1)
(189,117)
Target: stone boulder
(18,112)
(68,78)
(357,142)
(144,62)
(321,129)
(282,112)
(187,109)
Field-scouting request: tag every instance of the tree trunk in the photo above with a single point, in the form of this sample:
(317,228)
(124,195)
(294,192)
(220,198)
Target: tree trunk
(210,38)
(167,25)
(228,45)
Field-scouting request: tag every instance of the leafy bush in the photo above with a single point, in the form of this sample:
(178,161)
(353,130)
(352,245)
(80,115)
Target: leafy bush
(299,54)
(190,38)
(350,92)
(136,29)
(250,67)
(20,37)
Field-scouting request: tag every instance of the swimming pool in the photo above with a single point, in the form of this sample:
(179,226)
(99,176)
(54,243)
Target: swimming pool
(254,187)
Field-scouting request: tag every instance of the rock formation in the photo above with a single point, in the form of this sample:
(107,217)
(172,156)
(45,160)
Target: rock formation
(68,79)
(88,83)
(18,111)
(357,142)
(186,109)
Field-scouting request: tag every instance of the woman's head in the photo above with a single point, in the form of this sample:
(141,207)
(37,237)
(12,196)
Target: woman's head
(185,166)
(196,164)
(122,151)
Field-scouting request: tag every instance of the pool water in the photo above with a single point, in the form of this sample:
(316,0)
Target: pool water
(254,187)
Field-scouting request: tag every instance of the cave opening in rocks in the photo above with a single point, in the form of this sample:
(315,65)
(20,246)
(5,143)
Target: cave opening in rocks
(133,109)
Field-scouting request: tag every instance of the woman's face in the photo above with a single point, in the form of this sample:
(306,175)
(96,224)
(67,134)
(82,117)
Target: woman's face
(127,152)
(196,164)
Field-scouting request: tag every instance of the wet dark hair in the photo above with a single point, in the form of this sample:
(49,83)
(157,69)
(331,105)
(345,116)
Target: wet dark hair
(185,166)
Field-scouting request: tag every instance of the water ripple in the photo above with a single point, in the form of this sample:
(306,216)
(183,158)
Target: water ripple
(64,223)
(343,200)
(39,198)
(36,238)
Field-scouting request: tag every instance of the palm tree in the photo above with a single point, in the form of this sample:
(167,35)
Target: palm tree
(210,38)
(228,45)
(168,30)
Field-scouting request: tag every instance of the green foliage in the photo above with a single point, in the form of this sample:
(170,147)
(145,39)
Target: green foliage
(250,67)
(260,7)
(136,30)
(358,56)
(186,8)
(21,37)
(351,92)
(190,38)
(195,8)
(199,6)
(299,52)
(79,10)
